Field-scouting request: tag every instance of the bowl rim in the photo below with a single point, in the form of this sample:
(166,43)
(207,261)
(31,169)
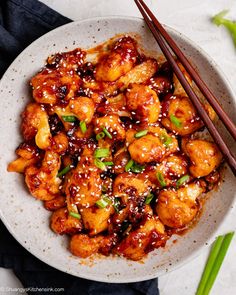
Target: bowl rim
(211,238)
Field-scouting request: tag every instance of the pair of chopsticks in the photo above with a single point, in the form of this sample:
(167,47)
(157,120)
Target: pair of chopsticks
(164,40)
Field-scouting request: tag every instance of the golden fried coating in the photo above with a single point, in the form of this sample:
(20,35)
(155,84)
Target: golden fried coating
(62,222)
(56,203)
(35,125)
(95,219)
(28,154)
(131,185)
(43,182)
(204,155)
(118,61)
(143,103)
(176,208)
(84,246)
(112,124)
(151,148)
(139,242)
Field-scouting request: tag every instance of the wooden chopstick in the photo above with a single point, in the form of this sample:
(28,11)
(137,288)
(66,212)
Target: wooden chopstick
(195,76)
(194,98)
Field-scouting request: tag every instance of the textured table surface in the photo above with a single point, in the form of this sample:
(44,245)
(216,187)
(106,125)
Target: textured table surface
(192,18)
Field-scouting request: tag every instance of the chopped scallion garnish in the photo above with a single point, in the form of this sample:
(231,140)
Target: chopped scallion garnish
(100,135)
(161,179)
(101,153)
(64,171)
(141,133)
(175,121)
(108,163)
(129,165)
(149,198)
(214,262)
(75,215)
(182,180)
(70,119)
(100,164)
(166,140)
(102,203)
(137,168)
(83,126)
(116,205)
(108,134)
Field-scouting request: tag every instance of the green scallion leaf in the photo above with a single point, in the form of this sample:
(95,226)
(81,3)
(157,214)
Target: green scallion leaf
(175,121)
(64,171)
(101,153)
(108,163)
(137,168)
(75,215)
(83,126)
(165,139)
(103,202)
(214,262)
(70,119)
(182,180)
(116,205)
(108,134)
(100,135)
(149,198)
(100,164)
(141,133)
(161,179)
(129,165)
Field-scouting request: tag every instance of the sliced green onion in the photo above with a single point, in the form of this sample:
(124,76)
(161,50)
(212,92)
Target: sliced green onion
(137,168)
(108,163)
(75,215)
(108,134)
(70,119)
(100,164)
(166,140)
(161,179)
(83,126)
(102,203)
(116,205)
(214,262)
(64,171)
(141,133)
(129,165)
(175,121)
(101,153)
(100,135)
(149,198)
(182,180)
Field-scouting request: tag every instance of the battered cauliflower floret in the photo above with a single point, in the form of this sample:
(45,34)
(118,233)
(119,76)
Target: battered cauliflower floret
(143,103)
(139,242)
(82,108)
(43,182)
(112,124)
(59,143)
(56,203)
(179,115)
(204,155)
(35,125)
(28,154)
(178,88)
(152,148)
(95,219)
(84,185)
(118,61)
(131,185)
(83,246)
(177,208)
(168,171)
(62,223)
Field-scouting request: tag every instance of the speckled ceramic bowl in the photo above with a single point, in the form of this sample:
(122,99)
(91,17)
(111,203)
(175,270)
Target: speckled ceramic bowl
(26,218)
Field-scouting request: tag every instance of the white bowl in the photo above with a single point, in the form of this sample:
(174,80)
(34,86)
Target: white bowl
(26,218)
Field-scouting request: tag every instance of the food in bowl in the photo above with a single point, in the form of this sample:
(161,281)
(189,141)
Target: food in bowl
(112,146)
